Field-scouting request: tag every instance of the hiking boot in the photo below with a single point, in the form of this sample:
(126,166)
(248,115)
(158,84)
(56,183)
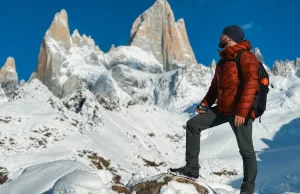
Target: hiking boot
(185,171)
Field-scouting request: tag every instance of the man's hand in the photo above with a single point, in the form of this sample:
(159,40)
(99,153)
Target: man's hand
(238,121)
(200,111)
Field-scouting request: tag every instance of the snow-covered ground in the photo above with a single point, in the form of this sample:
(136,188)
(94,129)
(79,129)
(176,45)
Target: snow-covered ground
(50,145)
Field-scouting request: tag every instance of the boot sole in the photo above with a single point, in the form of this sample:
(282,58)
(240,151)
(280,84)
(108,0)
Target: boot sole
(182,176)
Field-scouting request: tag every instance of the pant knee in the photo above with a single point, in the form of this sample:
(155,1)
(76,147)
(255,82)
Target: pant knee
(248,153)
(188,123)
(192,127)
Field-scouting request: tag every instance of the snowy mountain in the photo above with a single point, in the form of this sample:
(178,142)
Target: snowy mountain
(9,77)
(95,122)
(284,68)
(65,60)
(287,68)
(258,55)
(68,61)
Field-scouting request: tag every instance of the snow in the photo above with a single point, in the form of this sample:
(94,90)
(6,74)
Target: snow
(135,58)
(174,187)
(75,33)
(54,176)
(38,162)
(3,98)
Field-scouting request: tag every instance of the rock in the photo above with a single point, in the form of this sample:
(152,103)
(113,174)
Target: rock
(59,29)
(213,64)
(32,76)
(120,189)
(76,38)
(164,183)
(72,84)
(107,104)
(122,84)
(3,175)
(112,48)
(22,82)
(83,102)
(258,54)
(9,77)
(84,41)
(200,75)
(55,67)
(156,32)
(297,64)
(285,68)
(260,58)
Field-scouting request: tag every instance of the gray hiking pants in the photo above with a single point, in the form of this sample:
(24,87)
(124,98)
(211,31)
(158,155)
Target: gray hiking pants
(243,135)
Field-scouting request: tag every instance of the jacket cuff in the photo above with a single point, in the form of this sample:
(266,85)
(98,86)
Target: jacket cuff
(242,113)
(205,102)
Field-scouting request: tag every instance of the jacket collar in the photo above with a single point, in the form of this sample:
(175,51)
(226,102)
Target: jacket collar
(232,51)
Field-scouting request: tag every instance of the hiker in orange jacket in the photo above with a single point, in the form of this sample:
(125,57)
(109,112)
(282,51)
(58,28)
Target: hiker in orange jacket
(234,101)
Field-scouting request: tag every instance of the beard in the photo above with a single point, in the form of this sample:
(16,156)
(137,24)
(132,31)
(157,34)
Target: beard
(223,43)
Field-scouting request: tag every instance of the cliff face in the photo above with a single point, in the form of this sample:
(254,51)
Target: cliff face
(156,32)
(9,76)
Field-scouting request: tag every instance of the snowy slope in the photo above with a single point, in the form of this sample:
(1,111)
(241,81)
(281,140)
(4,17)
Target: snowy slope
(37,129)
(41,133)
(173,90)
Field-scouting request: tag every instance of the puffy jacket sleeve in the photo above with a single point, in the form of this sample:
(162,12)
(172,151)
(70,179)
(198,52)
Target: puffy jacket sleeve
(249,68)
(211,95)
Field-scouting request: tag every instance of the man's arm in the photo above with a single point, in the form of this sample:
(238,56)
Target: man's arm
(212,93)
(249,68)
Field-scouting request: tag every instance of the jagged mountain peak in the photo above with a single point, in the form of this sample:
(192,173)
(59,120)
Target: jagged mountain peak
(59,29)
(157,32)
(258,54)
(65,60)
(213,63)
(9,77)
(61,17)
(9,65)
(287,67)
(161,1)
(112,48)
(75,33)
(82,40)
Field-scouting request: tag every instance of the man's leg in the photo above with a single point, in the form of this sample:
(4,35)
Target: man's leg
(244,139)
(194,126)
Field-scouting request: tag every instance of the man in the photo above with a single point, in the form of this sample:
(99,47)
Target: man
(234,101)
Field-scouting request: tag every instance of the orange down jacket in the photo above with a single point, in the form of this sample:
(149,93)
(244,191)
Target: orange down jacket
(225,85)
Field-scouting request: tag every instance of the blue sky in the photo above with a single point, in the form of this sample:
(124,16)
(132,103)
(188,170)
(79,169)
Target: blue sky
(271,25)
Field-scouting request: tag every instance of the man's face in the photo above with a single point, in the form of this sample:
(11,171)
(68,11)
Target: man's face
(224,39)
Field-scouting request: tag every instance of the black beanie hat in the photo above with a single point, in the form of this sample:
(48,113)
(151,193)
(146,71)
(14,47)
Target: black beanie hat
(234,32)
